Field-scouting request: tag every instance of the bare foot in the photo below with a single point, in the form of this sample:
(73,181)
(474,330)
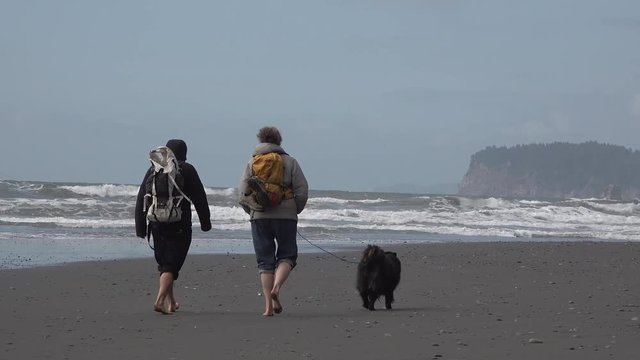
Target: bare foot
(163,308)
(174,307)
(277,307)
(268,309)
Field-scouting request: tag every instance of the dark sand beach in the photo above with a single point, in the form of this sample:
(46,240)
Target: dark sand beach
(516,300)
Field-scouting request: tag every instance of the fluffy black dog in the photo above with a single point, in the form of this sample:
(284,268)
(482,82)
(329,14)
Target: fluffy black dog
(378,274)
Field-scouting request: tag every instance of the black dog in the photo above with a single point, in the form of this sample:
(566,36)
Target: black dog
(378,274)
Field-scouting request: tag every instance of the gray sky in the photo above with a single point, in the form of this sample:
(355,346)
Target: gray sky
(366,93)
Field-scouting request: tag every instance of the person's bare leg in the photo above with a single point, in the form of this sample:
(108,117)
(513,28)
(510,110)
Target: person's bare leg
(173,304)
(282,273)
(266,279)
(166,285)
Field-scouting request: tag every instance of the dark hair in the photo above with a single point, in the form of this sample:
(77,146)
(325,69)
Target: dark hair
(269,134)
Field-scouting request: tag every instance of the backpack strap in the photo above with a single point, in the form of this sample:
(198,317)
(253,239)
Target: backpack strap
(149,236)
(287,193)
(179,190)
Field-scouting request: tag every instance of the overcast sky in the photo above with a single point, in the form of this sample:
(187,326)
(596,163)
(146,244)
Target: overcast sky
(366,93)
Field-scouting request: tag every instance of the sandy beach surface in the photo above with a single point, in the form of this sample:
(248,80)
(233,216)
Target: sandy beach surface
(503,300)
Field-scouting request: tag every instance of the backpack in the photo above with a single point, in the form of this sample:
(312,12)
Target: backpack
(267,180)
(163,194)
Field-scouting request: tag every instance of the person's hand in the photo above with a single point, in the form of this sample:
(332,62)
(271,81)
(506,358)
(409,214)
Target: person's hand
(205,227)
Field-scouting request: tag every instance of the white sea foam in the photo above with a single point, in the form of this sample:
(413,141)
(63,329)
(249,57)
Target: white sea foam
(105,190)
(532,202)
(21,204)
(225,213)
(109,206)
(616,208)
(331,200)
(220,192)
(491,202)
(109,190)
(30,187)
(71,223)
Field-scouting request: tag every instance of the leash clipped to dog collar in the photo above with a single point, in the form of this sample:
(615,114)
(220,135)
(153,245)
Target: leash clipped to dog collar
(328,252)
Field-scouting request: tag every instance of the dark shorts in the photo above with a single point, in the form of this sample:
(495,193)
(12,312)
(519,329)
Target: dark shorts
(274,241)
(170,247)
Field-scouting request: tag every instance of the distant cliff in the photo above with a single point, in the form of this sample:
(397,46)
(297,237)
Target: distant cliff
(556,170)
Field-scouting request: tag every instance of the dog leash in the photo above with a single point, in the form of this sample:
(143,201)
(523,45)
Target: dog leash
(327,251)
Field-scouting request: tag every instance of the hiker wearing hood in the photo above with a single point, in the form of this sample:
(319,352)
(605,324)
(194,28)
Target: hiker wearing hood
(274,228)
(171,240)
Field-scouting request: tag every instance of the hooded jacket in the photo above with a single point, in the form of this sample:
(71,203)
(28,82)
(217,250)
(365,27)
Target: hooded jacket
(293,179)
(192,187)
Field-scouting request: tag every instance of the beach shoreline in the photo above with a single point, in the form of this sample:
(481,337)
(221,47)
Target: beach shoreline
(498,300)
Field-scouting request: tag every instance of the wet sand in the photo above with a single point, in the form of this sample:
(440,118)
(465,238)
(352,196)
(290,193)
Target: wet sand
(511,300)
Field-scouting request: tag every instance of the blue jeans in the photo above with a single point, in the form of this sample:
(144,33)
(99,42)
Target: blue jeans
(274,241)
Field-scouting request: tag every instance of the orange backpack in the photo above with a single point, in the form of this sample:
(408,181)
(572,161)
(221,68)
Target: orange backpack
(267,180)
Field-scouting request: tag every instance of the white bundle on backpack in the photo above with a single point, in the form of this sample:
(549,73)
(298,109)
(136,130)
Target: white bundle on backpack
(163,194)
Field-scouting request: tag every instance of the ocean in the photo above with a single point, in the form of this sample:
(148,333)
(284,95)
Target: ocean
(45,223)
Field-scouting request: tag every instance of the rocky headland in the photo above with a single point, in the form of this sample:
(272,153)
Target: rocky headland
(556,170)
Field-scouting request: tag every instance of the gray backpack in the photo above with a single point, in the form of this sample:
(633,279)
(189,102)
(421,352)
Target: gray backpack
(163,188)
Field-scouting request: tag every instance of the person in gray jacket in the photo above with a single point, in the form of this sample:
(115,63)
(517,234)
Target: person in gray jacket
(274,229)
